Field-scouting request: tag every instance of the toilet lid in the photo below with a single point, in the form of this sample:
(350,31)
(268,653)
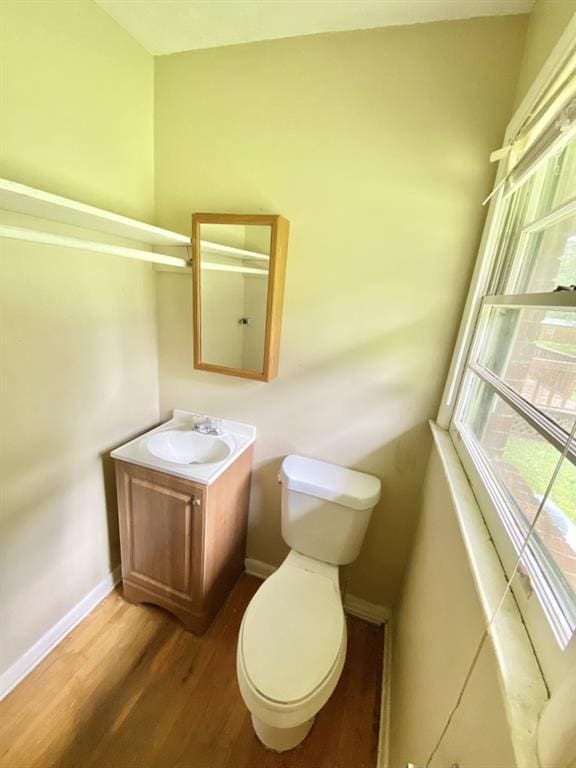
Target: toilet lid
(292,634)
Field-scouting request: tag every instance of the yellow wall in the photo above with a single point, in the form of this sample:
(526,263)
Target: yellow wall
(437,629)
(79,360)
(375,145)
(77,105)
(548,21)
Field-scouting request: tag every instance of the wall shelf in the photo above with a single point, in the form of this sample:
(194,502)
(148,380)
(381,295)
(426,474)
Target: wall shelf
(22,199)
(64,241)
(19,198)
(228,250)
(44,205)
(211,267)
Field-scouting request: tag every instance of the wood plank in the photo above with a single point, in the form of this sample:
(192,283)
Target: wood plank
(130,687)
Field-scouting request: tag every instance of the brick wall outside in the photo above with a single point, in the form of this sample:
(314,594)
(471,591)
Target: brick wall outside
(562,553)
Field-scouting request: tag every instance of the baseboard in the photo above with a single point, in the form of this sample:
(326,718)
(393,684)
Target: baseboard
(258,568)
(383,758)
(355,606)
(34,655)
(362,609)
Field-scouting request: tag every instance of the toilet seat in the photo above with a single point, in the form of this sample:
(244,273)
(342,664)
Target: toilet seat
(292,634)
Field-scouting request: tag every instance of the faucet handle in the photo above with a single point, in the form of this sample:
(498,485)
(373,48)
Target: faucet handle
(208,425)
(215,425)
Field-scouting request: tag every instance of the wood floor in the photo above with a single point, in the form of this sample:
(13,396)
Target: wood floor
(130,688)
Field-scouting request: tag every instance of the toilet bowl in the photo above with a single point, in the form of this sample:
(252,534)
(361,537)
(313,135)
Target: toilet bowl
(291,649)
(292,641)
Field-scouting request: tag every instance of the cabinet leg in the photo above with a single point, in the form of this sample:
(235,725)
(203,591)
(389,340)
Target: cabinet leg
(193,622)
(130,594)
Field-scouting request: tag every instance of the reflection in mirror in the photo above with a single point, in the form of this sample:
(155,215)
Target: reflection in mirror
(234,270)
(238,266)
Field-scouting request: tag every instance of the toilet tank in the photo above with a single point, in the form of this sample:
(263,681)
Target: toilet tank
(326,508)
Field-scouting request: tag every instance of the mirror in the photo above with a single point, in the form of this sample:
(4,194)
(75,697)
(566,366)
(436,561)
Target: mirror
(238,265)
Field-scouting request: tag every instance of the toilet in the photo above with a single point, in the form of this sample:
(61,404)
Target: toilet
(292,641)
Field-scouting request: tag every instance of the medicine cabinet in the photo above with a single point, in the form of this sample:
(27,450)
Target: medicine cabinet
(238,264)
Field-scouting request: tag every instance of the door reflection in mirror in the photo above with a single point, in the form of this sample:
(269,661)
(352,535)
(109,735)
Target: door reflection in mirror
(234,288)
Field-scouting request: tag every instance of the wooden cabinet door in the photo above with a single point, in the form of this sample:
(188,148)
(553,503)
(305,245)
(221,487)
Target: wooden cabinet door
(160,527)
(183,544)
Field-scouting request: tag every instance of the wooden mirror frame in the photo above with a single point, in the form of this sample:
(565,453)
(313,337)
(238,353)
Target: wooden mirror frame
(275,297)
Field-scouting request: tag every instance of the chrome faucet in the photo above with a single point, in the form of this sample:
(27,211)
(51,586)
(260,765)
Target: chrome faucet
(206,425)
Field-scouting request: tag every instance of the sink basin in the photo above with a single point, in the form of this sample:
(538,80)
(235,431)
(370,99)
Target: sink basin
(176,448)
(185,446)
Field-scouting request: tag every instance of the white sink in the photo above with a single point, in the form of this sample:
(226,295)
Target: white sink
(175,448)
(184,446)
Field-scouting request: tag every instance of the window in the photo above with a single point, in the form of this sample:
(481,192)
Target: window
(514,419)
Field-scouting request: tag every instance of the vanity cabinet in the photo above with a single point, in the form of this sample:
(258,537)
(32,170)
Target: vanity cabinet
(183,543)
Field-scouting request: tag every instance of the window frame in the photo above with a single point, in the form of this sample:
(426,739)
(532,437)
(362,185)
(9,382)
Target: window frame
(545,82)
(553,658)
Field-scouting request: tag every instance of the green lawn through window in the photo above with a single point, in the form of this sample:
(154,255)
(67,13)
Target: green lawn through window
(536,462)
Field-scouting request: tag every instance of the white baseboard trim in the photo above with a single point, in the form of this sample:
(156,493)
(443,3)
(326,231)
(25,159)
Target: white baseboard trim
(362,609)
(355,606)
(258,568)
(383,758)
(34,655)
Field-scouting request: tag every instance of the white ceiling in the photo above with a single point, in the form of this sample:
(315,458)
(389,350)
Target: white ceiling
(168,26)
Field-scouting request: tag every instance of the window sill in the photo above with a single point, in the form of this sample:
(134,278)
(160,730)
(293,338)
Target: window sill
(523,689)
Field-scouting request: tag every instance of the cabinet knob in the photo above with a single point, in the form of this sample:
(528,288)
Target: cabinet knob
(195,502)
